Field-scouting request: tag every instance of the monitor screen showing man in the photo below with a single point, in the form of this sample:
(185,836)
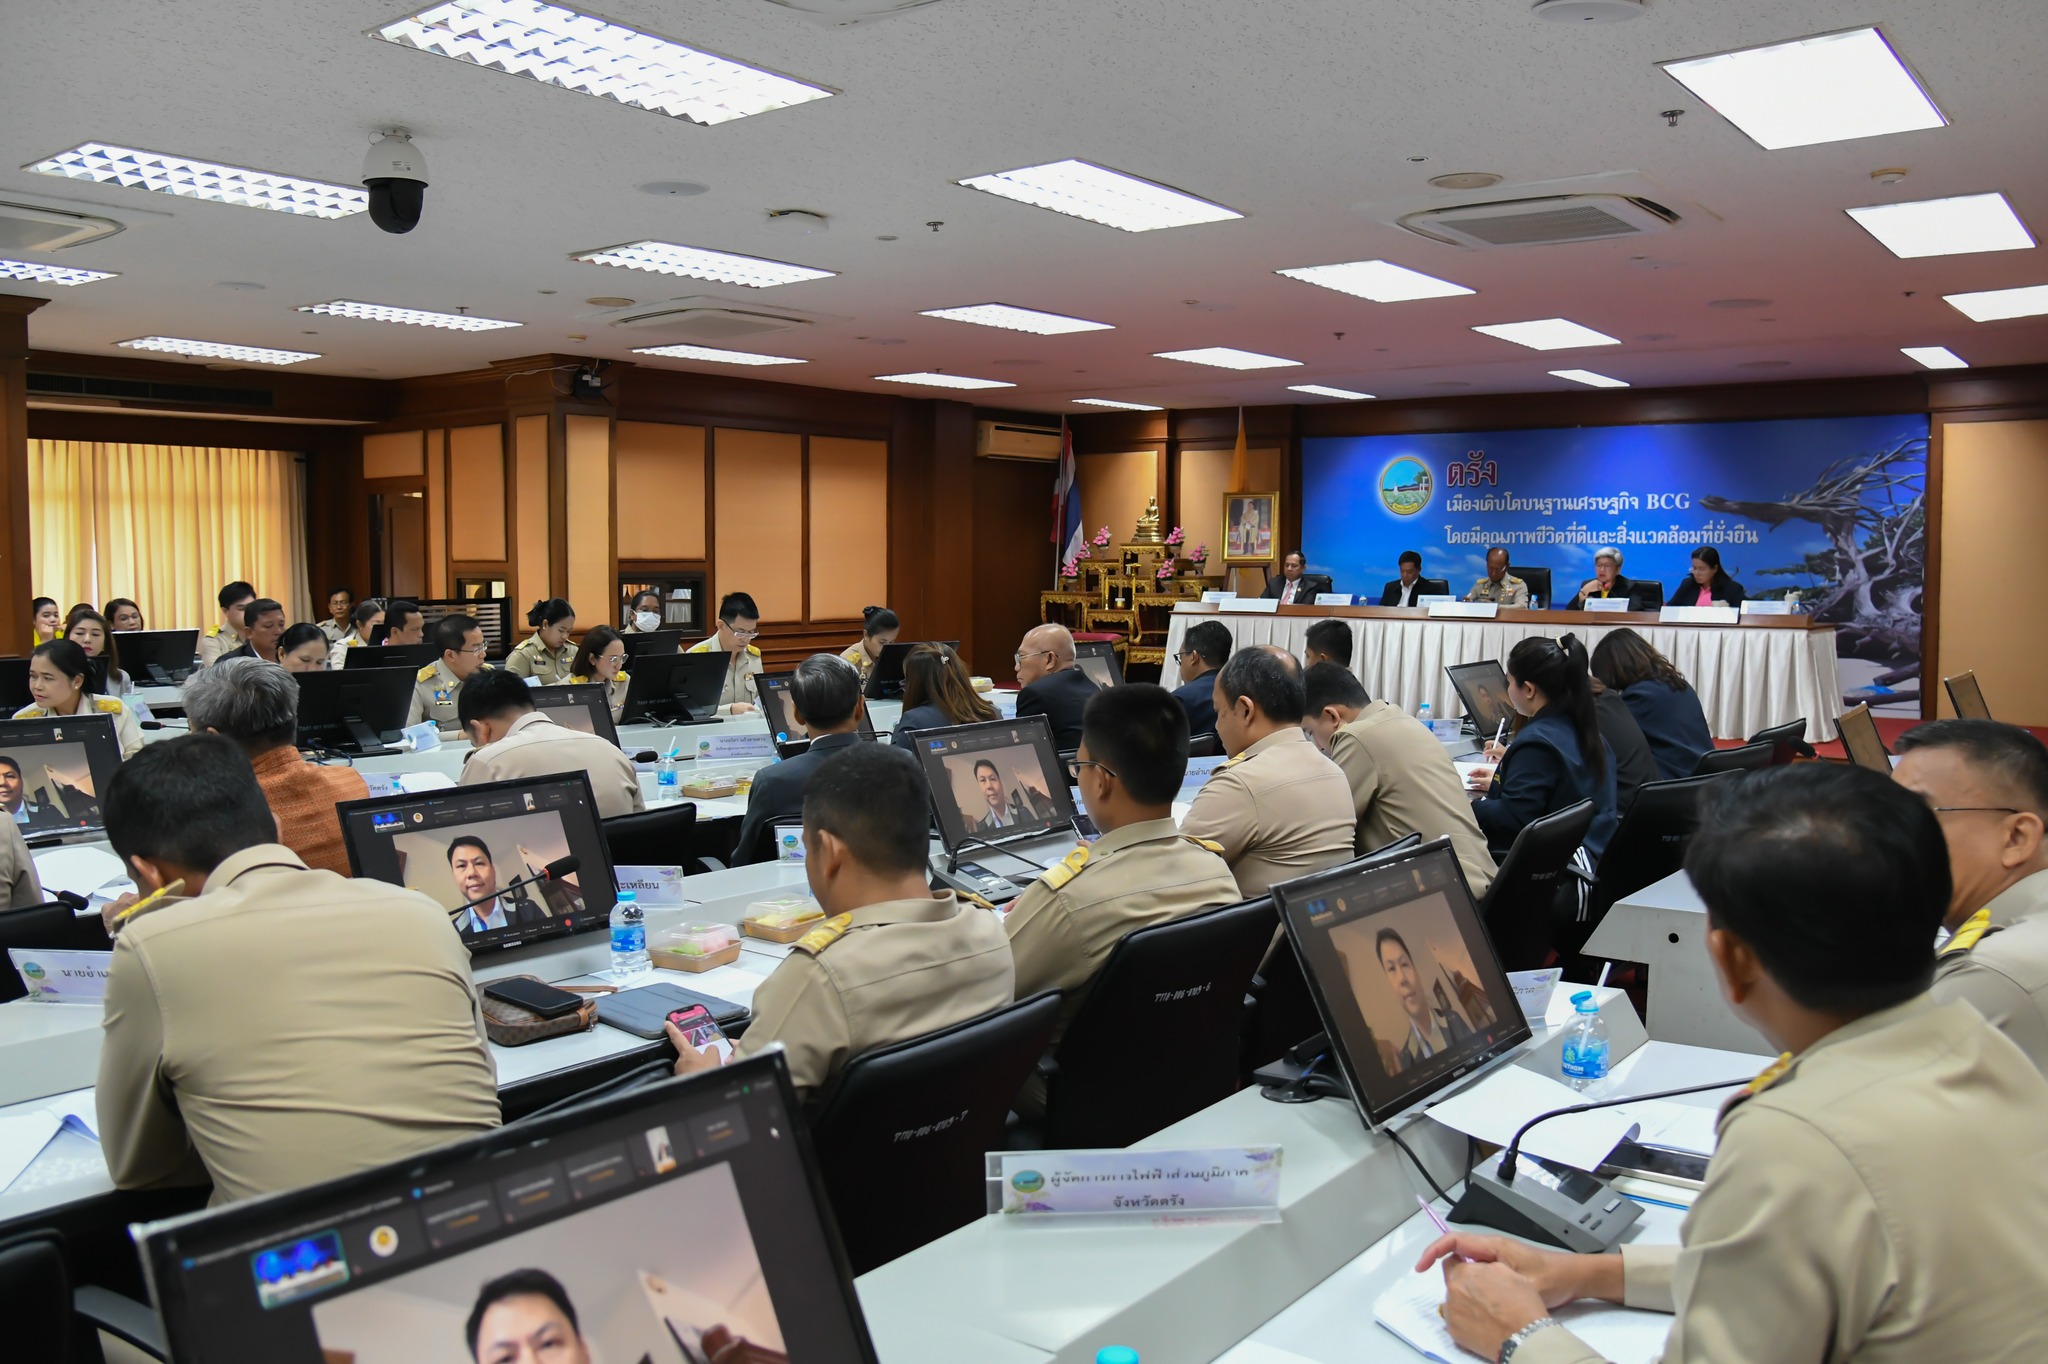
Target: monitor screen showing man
(995,780)
(51,773)
(1483,688)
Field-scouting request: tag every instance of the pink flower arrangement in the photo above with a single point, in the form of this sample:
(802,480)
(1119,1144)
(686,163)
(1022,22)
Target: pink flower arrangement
(1179,536)
(1102,537)
(1200,555)
(1165,571)
(1070,569)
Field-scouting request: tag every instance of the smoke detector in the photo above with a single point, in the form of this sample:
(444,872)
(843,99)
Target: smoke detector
(1587,11)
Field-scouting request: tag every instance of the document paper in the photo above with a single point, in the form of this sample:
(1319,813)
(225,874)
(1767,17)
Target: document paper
(1411,1310)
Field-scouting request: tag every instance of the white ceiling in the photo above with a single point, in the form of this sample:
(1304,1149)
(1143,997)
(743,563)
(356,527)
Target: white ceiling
(1306,115)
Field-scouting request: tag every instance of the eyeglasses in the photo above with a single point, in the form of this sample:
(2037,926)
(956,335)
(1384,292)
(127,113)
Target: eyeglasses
(1035,653)
(477,649)
(1090,762)
(1974,809)
(744,634)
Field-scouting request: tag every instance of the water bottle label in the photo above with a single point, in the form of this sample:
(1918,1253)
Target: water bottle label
(665,778)
(1585,1060)
(630,938)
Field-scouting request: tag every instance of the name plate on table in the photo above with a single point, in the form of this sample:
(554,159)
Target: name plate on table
(1219,594)
(659,887)
(1258,606)
(62,977)
(1238,1181)
(1605,604)
(420,737)
(1698,615)
(1464,610)
(1183,607)
(744,745)
(1770,608)
(1333,599)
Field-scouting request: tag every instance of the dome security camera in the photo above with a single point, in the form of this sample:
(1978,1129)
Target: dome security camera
(395,173)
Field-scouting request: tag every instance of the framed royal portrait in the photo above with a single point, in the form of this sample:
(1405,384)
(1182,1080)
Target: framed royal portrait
(1250,521)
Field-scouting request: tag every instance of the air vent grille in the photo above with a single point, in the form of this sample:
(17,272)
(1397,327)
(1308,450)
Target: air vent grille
(82,386)
(1543,222)
(1582,223)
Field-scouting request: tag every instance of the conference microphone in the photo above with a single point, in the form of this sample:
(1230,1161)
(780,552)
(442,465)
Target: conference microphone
(553,871)
(1558,1207)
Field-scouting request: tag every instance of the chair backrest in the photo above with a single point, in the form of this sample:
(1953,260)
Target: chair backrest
(1748,758)
(1787,741)
(1650,842)
(1520,905)
(1432,587)
(53,927)
(1966,696)
(1538,580)
(1207,745)
(36,1284)
(1645,594)
(1157,1036)
(902,1132)
(653,838)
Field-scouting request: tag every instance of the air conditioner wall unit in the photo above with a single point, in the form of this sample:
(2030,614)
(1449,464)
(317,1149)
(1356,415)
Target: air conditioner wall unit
(1008,440)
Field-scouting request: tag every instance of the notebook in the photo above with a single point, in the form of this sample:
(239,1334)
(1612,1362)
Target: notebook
(1622,1334)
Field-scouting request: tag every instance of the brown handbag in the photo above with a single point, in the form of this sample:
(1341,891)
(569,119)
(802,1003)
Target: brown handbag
(510,1025)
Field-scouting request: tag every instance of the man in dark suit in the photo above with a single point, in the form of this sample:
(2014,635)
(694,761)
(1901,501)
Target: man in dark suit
(1405,589)
(1296,586)
(1051,685)
(824,696)
(1203,649)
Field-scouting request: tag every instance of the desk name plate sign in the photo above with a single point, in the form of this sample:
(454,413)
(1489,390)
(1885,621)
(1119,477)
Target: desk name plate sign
(1235,1182)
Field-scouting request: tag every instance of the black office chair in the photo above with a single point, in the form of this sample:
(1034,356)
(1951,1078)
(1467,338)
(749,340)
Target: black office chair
(1539,584)
(1748,758)
(1432,587)
(52,927)
(1158,1033)
(1787,741)
(1645,594)
(51,1322)
(1313,585)
(1967,696)
(661,837)
(1521,907)
(1205,745)
(903,1132)
(1650,842)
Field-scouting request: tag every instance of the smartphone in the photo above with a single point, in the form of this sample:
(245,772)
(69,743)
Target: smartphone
(700,1030)
(535,996)
(1682,1168)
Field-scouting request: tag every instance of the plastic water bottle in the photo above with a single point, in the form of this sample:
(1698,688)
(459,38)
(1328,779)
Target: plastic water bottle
(1427,716)
(668,782)
(1116,1354)
(1585,1044)
(629,938)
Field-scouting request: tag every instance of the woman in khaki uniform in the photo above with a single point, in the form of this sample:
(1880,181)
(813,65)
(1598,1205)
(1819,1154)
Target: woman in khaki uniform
(58,675)
(602,658)
(878,627)
(546,655)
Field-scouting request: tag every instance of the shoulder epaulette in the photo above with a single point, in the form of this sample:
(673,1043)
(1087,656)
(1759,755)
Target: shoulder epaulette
(1065,870)
(702,646)
(1231,762)
(213,632)
(426,674)
(824,935)
(971,898)
(107,705)
(754,650)
(620,676)
(1769,1076)
(1211,844)
(1965,937)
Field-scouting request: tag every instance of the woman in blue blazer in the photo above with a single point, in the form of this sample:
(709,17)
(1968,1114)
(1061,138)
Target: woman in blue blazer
(1666,707)
(1557,757)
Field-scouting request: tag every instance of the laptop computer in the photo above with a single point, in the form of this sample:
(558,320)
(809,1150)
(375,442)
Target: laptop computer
(580,705)
(1861,740)
(885,679)
(674,689)
(681,1222)
(157,657)
(1483,689)
(356,710)
(1000,791)
(1097,659)
(52,771)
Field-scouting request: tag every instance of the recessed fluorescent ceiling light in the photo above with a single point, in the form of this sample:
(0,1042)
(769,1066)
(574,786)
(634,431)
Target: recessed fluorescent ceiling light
(1945,227)
(1226,357)
(1082,190)
(411,317)
(1324,390)
(581,52)
(219,350)
(1588,378)
(1549,333)
(1379,280)
(930,380)
(1018,319)
(1128,407)
(189,179)
(1995,305)
(1934,357)
(50,274)
(1828,88)
(714,354)
(666,258)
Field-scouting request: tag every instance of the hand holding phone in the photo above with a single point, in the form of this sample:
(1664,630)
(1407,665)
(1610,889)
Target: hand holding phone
(700,1043)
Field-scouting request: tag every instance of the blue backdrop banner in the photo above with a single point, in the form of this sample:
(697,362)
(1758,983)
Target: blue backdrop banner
(1828,512)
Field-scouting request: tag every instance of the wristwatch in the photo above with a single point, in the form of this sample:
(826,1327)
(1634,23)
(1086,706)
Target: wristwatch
(1514,1342)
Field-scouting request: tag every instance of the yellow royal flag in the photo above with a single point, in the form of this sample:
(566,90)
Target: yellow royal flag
(1240,460)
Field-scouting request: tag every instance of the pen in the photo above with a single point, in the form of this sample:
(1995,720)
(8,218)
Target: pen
(1500,728)
(149,900)
(1439,1223)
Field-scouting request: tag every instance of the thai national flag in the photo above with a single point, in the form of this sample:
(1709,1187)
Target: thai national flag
(1066,502)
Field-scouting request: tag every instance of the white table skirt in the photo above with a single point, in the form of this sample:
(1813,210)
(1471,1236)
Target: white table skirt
(1748,678)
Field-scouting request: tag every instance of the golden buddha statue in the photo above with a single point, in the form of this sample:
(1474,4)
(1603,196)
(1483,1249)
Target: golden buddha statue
(1148,532)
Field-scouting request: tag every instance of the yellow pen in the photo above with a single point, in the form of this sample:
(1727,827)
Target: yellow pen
(150,899)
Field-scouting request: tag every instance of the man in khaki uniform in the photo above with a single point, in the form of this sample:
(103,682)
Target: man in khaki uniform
(893,961)
(1877,1196)
(1279,809)
(231,632)
(281,1026)
(739,621)
(515,740)
(1142,871)
(1988,784)
(1499,585)
(437,691)
(1402,781)
(18,884)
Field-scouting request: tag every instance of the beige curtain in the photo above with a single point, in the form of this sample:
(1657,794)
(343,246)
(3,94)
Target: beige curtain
(167,525)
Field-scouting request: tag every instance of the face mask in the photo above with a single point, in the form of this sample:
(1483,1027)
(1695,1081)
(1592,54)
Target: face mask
(646,622)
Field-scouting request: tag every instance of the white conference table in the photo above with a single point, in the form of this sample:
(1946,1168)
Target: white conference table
(1764,671)
(1664,925)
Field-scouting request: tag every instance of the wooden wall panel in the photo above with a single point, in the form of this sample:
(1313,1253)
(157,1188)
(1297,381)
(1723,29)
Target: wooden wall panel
(849,526)
(1114,489)
(1994,501)
(1010,554)
(530,510)
(394,454)
(660,491)
(758,520)
(476,494)
(437,513)
(592,577)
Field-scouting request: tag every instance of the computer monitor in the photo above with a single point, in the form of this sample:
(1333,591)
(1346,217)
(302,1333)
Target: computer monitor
(653,642)
(579,705)
(494,840)
(157,657)
(682,1222)
(674,688)
(780,713)
(413,656)
(14,692)
(1483,688)
(1967,696)
(1860,740)
(885,679)
(52,771)
(1000,779)
(1404,977)
(357,711)
(1097,659)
